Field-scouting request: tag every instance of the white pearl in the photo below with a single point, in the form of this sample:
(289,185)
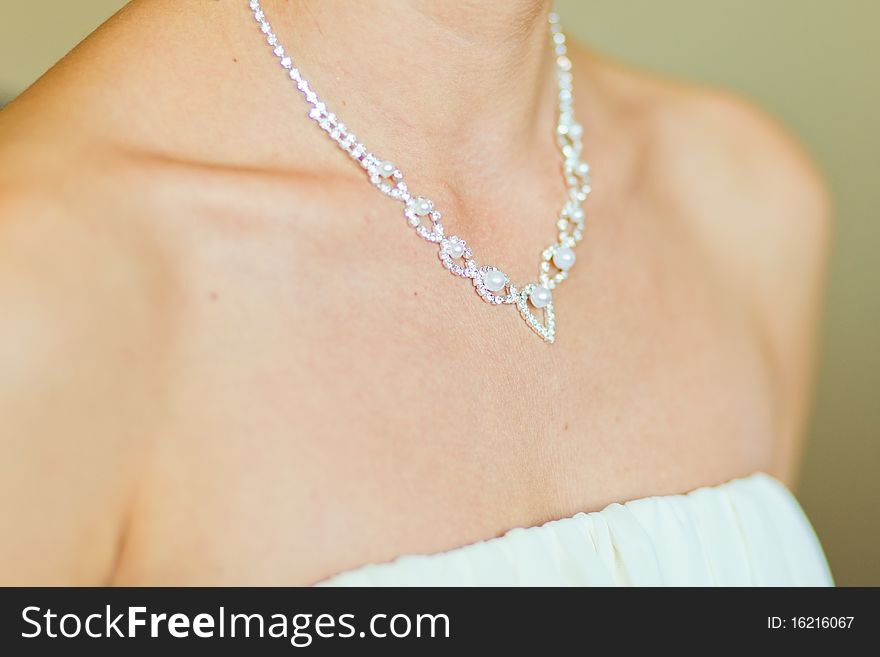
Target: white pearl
(423,206)
(455,250)
(494,280)
(564,258)
(540,296)
(387,169)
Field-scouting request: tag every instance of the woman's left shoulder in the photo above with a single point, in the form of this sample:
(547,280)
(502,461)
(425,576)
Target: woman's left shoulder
(761,212)
(749,198)
(713,153)
(749,191)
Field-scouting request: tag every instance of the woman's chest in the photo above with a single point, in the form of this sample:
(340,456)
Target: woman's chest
(322,419)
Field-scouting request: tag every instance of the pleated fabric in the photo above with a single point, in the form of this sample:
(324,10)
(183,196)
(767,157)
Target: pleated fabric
(746,532)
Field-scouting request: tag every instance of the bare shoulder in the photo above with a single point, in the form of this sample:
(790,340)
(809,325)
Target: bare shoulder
(762,210)
(711,155)
(749,192)
(725,158)
(754,205)
(87,290)
(78,290)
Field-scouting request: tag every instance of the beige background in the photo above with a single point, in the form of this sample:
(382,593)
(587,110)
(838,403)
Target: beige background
(813,65)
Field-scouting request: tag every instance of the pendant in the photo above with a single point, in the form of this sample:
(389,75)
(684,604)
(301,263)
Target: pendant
(547,329)
(491,283)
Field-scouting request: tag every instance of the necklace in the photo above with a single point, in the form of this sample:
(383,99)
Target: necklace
(491,283)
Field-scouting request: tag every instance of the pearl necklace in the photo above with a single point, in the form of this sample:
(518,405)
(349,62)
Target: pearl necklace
(491,283)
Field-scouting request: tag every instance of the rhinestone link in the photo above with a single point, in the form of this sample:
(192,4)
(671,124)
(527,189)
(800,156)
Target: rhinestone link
(428,225)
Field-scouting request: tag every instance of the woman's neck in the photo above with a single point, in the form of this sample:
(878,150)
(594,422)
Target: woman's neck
(429,80)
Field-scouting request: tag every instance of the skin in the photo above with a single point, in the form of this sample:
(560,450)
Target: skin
(227,360)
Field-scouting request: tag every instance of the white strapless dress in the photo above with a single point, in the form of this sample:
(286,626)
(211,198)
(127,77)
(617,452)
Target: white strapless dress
(746,532)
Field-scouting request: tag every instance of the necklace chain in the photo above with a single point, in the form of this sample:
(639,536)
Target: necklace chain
(491,283)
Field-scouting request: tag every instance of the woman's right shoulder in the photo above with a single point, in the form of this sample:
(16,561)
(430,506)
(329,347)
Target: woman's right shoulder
(79,362)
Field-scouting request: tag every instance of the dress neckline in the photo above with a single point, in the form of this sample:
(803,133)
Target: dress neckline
(757,477)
